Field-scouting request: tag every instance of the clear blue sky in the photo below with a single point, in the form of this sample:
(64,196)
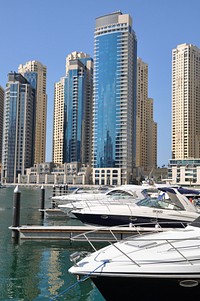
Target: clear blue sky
(48,30)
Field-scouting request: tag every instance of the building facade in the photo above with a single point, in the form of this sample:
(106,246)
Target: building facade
(151,135)
(18,133)
(146,146)
(73,111)
(58,122)
(78,108)
(1,120)
(56,174)
(184,172)
(36,73)
(185,102)
(114,109)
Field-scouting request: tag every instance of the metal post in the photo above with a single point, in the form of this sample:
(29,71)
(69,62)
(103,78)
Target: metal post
(52,201)
(16,212)
(42,200)
(54,190)
(60,189)
(66,189)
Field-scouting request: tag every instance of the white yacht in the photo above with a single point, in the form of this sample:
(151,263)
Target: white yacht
(125,194)
(159,266)
(119,191)
(168,210)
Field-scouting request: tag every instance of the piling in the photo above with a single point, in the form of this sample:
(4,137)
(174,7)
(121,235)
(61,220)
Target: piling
(52,201)
(16,212)
(42,201)
(60,188)
(65,189)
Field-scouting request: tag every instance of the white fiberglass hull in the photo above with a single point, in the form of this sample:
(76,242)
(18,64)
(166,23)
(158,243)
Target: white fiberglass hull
(114,215)
(162,266)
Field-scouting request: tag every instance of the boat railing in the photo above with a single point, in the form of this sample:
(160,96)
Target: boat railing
(139,237)
(114,234)
(151,243)
(90,204)
(128,201)
(89,237)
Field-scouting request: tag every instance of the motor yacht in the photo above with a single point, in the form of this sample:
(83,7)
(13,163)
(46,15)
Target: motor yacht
(169,209)
(121,195)
(119,191)
(156,266)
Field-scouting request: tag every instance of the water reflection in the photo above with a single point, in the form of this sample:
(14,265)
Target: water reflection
(36,270)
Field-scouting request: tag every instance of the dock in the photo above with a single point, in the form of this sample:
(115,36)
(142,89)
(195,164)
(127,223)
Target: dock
(53,212)
(80,233)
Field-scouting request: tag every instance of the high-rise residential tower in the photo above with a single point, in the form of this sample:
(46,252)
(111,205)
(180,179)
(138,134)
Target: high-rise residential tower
(115,80)
(35,72)
(146,151)
(185,102)
(73,111)
(1,119)
(151,136)
(18,133)
(58,122)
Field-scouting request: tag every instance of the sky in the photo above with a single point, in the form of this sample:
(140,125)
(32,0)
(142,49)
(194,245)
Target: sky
(49,30)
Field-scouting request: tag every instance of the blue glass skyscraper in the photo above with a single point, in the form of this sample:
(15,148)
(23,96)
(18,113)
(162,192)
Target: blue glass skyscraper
(78,108)
(115,80)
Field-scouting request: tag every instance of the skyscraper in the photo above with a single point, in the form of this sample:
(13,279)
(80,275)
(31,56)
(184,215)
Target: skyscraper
(151,136)
(185,102)
(146,153)
(73,111)
(18,134)
(115,80)
(1,119)
(58,122)
(35,72)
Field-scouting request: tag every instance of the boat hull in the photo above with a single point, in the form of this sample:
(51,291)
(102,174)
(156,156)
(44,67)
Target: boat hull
(148,288)
(116,220)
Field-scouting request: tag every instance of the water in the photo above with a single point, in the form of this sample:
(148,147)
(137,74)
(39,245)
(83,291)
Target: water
(36,270)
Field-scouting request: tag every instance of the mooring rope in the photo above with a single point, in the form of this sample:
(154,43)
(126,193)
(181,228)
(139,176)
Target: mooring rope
(78,281)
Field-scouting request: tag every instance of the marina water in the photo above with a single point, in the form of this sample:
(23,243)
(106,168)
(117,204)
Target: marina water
(37,270)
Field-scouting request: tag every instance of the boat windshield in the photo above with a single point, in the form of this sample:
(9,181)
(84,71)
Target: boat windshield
(159,203)
(122,194)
